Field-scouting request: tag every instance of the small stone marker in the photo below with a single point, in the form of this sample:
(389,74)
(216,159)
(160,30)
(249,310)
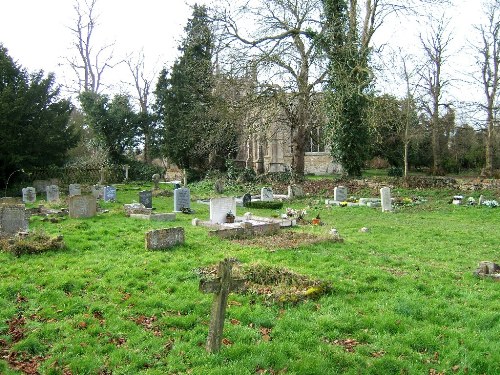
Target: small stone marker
(75,189)
(146,198)
(97,191)
(13,219)
(222,286)
(457,200)
(52,193)
(295,191)
(385,197)
(82,206)
(247,199)
(340,194)
(166,238)
(488,269)
(156,181)
(266,194)
(109,194)
(182,199)
(29,195)
(219,207)
(481,200)
(136,208)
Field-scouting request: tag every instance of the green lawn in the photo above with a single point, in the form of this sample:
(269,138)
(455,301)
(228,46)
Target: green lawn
(404,298)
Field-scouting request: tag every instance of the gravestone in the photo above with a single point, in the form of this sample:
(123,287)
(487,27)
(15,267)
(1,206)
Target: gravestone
(182,199)
(266,194)
(457,200)
(221,287)
(481,200)
(75,189)
(109,194)
(295,191)
(13,219)
(220,207)
(97,191)
(146,198)
(247,199)
(29,195)
(82,206)
(340,194)
(136,208)
(156,181)
(159,239)
(52,193)
(385,198)
(41,185)
(219,186)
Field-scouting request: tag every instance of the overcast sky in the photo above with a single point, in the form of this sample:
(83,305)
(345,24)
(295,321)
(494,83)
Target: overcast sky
(36,34)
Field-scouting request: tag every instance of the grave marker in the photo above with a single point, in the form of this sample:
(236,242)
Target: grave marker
(385,197)
(219,208)
(29,195)
(222,286)
(164,238)
(146,198)
(52,193)
(247,199)
(75,189)
(266,194)
(295,191)
(156,181)
(340,194)
(13,219)
(109,194)
(182,199)
(82,206)
(97,191)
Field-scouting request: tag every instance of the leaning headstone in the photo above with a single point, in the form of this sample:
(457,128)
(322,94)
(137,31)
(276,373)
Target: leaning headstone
(247,199)
(182,199)
(222,286)
(266,194)
(52,193)
(385,198)
(75,189)
(146,198)
(220,207)
(13,219)
(29,195)
(97,191)
(295,191)
(156,181)
(340,194)
(159,239)
(82,206)
(109,194)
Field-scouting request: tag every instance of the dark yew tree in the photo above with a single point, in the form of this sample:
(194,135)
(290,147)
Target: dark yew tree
(34,121)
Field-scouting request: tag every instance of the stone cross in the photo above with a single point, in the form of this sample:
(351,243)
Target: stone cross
(221,286)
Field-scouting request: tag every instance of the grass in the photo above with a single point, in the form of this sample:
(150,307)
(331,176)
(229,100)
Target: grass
(404,300)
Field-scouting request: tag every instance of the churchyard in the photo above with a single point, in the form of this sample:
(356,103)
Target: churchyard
(368,289)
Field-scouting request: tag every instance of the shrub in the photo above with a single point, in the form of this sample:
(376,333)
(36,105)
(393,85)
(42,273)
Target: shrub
(395,172)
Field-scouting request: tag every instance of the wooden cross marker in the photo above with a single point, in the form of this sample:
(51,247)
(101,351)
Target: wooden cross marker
(221,286)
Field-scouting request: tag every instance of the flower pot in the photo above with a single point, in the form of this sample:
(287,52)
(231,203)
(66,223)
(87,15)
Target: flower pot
(316,221)
(229,219)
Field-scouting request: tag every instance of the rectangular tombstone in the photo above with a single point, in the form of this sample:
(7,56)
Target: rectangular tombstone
(182,199)
(13,219)
(295,191)
(219,208)
(97,191)
(146,198)
(109,194)
(340,194)
(41,185)
(82,206)
(29,195)
(266,194)
(385,197)
(52,193)
(159,239)
(75,189)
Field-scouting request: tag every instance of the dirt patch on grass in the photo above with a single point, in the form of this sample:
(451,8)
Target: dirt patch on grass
(283,240)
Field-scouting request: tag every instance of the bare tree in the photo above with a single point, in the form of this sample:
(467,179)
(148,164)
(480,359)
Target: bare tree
(91,60)
(435,46)
(489,60)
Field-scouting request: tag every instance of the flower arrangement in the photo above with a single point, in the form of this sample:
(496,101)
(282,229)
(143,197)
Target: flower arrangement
(471,201)
(293,213)
(492,203)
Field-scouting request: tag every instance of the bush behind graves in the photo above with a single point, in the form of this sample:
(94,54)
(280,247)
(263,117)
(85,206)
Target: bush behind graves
(272,205)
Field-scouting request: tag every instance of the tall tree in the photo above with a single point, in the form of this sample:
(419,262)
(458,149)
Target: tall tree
(186,102)
(34,122)
(489,61)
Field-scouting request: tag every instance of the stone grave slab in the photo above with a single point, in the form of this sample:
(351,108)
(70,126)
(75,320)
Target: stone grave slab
(182,199)
(75,189)
(52,193)
(146,198)
(166,238)
(13,219)
(29,195)
(154,217)
(219,208)
(82,206)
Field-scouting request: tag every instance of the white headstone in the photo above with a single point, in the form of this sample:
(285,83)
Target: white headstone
(266,194)
(29,195)
(52,193)
(182,199)
(385,197)
(220,207)
(75,189)
(109,194)
(340,194)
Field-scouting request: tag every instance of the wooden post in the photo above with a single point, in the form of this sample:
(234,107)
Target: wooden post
(221,286)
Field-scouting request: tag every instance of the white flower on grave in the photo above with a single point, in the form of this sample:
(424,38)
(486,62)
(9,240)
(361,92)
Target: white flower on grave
(492,203)
(471,201)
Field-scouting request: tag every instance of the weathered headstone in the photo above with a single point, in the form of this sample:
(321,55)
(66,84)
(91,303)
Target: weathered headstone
(13,219)
(182,199)
(41,185)
(75,189)
(159,239)
(247,199)
(385,198)
(136,208)
(146,198)
(220,207)
(222,286)
(266,194)
(340,194)
(156,181)
(295,191)
(82,206)
(109,194)
(29,195)
(219,186)
(52,193)
(97,191)
(481,200)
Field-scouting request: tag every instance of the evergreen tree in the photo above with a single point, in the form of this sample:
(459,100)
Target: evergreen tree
(34,122)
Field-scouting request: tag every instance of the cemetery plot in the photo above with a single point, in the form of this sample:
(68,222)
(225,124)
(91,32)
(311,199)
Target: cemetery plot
(33,243)
(284,240)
